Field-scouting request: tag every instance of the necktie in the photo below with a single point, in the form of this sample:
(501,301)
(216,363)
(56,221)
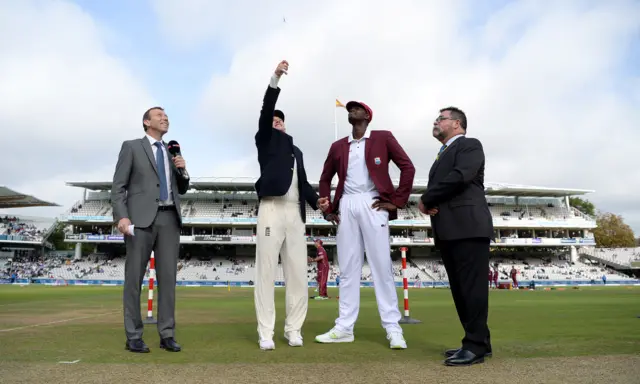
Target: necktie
(164,191)
(441,150)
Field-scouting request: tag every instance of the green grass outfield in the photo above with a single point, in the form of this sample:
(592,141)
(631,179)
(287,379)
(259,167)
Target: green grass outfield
(44,324)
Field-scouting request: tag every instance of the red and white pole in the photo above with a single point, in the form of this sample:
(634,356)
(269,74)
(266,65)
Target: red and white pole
(152,276)
(406,319)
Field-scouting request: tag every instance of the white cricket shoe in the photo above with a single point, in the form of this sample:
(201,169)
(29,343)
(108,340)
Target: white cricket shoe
(335,336)
(294,338)
(396,340)
(267,345)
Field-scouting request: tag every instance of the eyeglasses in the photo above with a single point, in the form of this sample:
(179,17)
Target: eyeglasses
(440,118)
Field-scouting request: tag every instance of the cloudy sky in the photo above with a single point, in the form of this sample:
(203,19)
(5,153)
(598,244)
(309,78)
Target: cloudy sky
(551,88)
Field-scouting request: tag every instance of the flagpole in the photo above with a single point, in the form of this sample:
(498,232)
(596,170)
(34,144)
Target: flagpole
(335,122)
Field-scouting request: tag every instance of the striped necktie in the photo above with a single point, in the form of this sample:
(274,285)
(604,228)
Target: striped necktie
(441,150)
(162,174)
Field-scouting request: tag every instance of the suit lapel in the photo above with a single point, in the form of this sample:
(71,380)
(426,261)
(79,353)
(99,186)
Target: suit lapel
(443,155)
(147,149)
(433,169)
(368,144)
(345,157)
(297,155)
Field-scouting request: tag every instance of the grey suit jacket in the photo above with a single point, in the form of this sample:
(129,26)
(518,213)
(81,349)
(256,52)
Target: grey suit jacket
(135,191)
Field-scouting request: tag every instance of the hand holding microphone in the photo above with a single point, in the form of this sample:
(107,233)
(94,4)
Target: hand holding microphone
(178,160)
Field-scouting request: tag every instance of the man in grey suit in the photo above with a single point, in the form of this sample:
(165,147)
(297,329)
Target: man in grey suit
(145,196)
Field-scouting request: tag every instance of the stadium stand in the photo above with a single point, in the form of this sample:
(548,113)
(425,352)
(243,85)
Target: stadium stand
(25,228)
(226,208)
(537,233)
(616,257)
(247,207)
(19,229)
(540,268)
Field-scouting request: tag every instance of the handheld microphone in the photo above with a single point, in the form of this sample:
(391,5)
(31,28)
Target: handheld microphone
(174,150)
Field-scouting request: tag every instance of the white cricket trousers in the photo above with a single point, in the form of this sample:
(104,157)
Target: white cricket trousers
(280,231)
(361,229)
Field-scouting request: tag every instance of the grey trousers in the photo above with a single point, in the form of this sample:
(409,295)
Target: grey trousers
(163,238)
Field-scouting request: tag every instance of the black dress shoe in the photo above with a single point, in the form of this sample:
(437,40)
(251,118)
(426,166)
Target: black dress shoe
(463,358)
(451,352)
(170,345)
(137,346)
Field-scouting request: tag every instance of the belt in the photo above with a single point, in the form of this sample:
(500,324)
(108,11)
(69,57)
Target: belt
(166,208)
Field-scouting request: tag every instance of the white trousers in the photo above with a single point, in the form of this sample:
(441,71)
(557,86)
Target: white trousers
(280,231)
(363,229)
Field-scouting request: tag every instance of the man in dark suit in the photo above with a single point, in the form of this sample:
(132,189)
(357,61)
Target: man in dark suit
(462,229)
(145,196)
(283,190)
(365,201)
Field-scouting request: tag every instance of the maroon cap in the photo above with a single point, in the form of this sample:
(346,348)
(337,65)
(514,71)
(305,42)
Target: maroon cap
(318,241)
(360,104)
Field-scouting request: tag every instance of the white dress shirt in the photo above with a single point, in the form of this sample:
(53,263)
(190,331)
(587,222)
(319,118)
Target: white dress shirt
(451,140)
(273,82)
(358,179)
(167,168)
(293,194)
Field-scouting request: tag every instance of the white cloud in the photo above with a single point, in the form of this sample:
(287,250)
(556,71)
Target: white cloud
(541,85)
(65,103)
(191,23)
(237,169)
(539,82)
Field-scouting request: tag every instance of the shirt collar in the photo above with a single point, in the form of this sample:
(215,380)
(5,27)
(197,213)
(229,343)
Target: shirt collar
(451,140)
(367,134)
(152,141)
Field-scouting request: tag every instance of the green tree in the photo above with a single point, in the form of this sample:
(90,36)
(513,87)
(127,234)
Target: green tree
(583,205)
(612,232)
(57,239)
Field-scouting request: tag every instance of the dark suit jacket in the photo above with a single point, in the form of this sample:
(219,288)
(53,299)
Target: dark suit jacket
(276,154)
(135,191)
(456,188)
(380,148)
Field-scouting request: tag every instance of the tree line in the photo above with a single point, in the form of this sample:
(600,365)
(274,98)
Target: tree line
(612,231)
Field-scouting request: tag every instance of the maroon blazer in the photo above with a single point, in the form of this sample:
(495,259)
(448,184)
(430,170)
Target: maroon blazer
(380,148)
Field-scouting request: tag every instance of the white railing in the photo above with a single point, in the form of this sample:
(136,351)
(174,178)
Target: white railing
(579,213)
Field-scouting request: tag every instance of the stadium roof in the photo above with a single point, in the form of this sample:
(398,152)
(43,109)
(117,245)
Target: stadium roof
(246,184)
(12,199)
(92,185)
(496,189)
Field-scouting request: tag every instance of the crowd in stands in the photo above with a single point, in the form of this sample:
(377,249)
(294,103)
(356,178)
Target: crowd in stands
(190,269)
(13,226)
(104,267)
(529,266)
(26,266)
(195,206)
(623,257)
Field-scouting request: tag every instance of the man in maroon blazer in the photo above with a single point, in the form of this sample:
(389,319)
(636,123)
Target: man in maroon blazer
(364,203)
